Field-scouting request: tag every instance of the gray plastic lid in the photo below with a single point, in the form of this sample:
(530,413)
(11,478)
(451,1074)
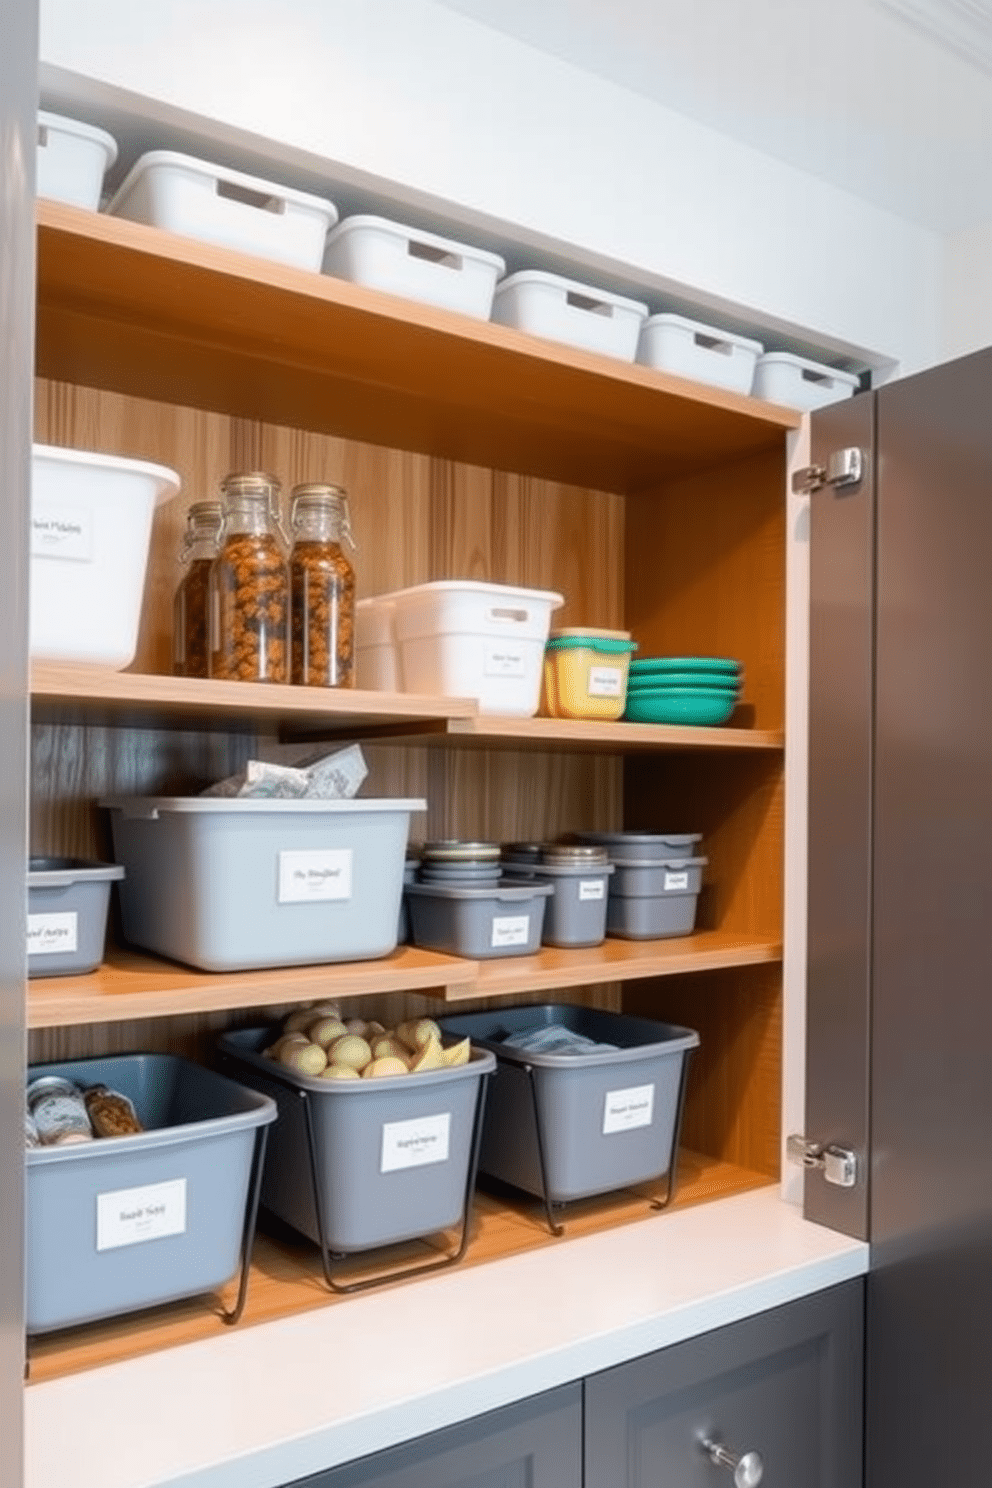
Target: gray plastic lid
(60,873)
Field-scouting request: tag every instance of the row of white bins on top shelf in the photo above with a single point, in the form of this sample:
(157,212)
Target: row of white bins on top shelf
(216,204)
(457,638)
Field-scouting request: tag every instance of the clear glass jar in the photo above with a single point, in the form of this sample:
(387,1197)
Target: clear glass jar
(249,585)
(322,585)
(197,551)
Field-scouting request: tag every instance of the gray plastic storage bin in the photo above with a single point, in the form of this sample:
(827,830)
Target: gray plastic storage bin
(68,900)
(122,1223)
(234,884)
(392,1155)
(650,917)
(640,845)
(607,1119)
(576,912)
(500,919)
(656,878)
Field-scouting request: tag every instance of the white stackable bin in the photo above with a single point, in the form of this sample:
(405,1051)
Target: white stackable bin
(417,265)
(796,382)
(233,884)
(461,638)
(688,348)
(71,160)
(91,524)
(202,200)
(377,658)
(122,1223)
(564,310)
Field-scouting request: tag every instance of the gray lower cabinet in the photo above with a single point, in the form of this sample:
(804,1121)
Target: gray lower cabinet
(536,1443)
(780,1393)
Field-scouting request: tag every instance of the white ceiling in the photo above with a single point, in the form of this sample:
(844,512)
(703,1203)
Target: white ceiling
(889,99)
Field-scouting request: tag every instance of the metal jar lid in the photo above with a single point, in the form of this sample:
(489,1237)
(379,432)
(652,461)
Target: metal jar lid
(453,851)
(574,855)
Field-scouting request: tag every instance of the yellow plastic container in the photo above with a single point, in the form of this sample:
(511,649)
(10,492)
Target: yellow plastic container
(585,673)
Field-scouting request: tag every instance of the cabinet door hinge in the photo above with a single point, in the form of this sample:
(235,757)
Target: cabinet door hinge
(839,1165)
(844,468)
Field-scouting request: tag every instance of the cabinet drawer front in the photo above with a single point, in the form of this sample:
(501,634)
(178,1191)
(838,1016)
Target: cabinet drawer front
(786,1384)
(535,1444)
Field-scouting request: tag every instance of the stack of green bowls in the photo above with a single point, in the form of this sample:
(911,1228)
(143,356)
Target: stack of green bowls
(699,690)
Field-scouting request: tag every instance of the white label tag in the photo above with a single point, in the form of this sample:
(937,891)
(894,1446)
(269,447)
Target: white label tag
(605,681)
(130,1216)
(501,660)
(315,875)
(416,1143)
(511,930)
(51,934)
(675,881)
(626,1109)
(592,888)
(62,532)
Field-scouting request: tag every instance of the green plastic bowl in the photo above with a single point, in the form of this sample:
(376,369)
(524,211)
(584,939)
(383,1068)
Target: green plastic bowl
(650,666)
(689,705)
(705,681)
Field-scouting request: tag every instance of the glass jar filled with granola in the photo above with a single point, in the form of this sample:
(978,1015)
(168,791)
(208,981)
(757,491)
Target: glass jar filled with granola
(197,551)
(322,587)
(249,585)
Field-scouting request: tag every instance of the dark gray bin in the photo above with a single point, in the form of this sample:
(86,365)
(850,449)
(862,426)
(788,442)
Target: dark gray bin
(90,1252)
(607,1120)
(501,919)
(359,1126)
(576,912)
(68,901)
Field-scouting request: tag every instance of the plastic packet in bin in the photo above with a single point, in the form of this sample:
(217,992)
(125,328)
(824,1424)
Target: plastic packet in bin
(322,777)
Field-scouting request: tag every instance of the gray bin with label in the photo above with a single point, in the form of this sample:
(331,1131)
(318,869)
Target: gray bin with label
(231,884)
(605,1120)
(68,901)
(653,900)
(576,911)
(90,1253)
(502,919)
(375,1189)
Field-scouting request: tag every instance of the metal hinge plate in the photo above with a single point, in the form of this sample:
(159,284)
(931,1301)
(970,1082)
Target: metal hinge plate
(844,468)
(839,1165)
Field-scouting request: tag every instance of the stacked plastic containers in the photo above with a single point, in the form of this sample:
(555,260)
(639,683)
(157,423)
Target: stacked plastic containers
(655,884)
(579,874)
(462,904)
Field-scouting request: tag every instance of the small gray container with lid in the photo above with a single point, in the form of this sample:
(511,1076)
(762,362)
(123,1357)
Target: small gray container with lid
(505,918)
(580,878)
(654,900)
(68,901)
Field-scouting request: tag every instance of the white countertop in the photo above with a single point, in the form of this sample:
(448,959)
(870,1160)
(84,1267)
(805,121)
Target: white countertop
(256,1407)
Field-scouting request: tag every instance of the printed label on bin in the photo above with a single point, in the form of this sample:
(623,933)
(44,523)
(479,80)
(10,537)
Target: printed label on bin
(605,681)
(315,875)
(53,934)
(626,1109)
(59,531)
(415,1143)
(510,930)
(676,881)
(130,1216)
(592,888)
(501,660)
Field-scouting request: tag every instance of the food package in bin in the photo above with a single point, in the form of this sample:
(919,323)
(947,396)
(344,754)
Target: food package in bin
(320,777)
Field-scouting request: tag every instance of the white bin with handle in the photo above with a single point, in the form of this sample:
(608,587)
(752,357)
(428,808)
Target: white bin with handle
(563,310)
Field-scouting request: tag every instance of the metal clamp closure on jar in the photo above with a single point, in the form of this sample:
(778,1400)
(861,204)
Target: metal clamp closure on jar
(204,521)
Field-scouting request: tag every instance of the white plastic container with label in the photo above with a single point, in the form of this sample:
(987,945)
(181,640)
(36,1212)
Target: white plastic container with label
(72,160)
(91,523)
(227,207)
(460,638)
(796,382)
(231,884)
(563,310)
(672,343)
(417,265)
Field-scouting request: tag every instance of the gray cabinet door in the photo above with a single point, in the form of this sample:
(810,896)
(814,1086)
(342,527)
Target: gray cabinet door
(534,1444)
(785,1384)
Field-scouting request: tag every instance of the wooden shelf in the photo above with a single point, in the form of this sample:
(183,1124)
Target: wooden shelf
(133,309)
(130,985)
(73,694)
(614,961)
(286,1276)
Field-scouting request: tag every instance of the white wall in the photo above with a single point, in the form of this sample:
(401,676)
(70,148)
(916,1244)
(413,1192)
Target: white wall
(411,93)
(967,315)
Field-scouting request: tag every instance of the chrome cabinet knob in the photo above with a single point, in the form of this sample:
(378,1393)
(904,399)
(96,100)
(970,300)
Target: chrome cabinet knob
(748,1469)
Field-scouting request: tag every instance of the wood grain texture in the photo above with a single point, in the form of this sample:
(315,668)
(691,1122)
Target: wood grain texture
(128,307)
(286,1278)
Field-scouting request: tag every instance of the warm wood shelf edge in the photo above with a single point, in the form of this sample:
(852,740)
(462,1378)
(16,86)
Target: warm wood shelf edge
(614,961)
(619,737)
(286,1277)
(133,986)
(99,229)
